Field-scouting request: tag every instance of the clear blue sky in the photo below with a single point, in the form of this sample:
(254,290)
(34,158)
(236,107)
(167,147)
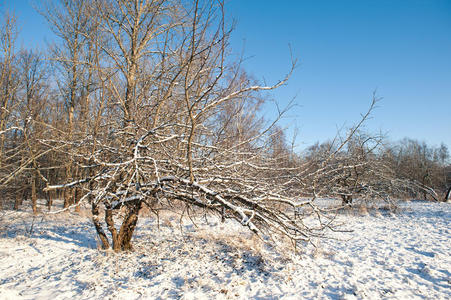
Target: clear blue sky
(346,50)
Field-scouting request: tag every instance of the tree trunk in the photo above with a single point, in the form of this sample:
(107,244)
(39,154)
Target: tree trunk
(33,194)
(122,239)
(128,227)
(68,193)
(111,228)
(77,191)
(95,219)
(77,197)
(49,200)
(68,198)
(19,199)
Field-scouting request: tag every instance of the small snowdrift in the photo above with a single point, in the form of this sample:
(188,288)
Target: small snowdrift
(400,256)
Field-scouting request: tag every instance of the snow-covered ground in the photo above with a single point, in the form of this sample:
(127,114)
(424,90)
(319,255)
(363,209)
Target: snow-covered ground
(403,255)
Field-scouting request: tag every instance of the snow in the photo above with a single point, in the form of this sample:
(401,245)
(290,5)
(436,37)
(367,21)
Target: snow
(401,255)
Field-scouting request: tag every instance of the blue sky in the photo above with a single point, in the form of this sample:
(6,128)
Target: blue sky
(346,50)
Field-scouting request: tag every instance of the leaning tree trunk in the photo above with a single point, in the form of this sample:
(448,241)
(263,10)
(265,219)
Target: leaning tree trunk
(98,225)
(128,226)
(122,239)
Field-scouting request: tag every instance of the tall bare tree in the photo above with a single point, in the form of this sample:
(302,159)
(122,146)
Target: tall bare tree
(73,22)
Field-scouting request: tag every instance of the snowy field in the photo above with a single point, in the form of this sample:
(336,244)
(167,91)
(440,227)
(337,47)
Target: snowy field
(402,255)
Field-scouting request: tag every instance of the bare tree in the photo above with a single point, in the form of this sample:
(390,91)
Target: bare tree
(73,22)
(32,117)
(151,110)
(172,125)
(9,84)
(22,122)
(163,68)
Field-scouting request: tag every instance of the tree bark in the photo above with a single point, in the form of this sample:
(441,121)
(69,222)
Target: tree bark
(128,227)
(95,219)
(112,229)
(121,240)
